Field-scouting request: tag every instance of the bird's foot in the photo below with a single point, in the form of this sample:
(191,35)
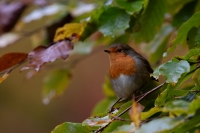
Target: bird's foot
(112,109)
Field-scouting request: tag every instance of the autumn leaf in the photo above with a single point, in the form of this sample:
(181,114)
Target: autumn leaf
(41,54)
(68,30)
(135,113)
(10,60)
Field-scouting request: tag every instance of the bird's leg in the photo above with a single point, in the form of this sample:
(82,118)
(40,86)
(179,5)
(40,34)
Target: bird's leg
(112,107)
(138,95)
(139,91)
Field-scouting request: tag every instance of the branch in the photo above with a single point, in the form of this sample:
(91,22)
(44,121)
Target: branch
(143,96)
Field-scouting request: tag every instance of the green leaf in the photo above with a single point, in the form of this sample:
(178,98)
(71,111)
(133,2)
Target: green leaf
(92,25)
(158,45)
(196,77)
(107,88)
(184,14)
(191,123)
(55,84)
(114,125)
(162,97)
(123,107)
(177,107)
(184,29)
(197,7)
(192,53)
(152,111)
(177,93)
(113,21)
(126,128)
(104,105)
(151,21)
(69,127)
(130,6)
(184,78)
(194,105)
(193,38)
(160,125)
(172,70)
(174,6)
(171,91)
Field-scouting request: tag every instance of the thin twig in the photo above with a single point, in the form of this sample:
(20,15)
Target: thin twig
(120,119)
(178,97)
(147,93)
(143,96)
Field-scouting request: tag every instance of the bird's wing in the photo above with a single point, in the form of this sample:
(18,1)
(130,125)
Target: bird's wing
(146,64)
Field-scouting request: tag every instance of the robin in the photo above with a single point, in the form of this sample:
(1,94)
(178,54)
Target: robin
(129,71)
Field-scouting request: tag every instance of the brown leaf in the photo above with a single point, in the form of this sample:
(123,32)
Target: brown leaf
(135,113)
(10,60)
(41,55)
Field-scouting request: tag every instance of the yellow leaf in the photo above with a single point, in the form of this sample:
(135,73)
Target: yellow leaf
(152,111)
(68,30)
(135,113)
(4,77)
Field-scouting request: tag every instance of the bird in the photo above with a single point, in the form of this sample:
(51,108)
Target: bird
(129,71)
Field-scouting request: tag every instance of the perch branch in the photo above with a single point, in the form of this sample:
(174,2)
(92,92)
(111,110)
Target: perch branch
(143,96)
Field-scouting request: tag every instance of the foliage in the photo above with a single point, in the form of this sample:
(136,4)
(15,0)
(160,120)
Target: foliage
(153,23)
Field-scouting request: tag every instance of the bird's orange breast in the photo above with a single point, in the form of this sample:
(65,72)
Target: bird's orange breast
(121,64)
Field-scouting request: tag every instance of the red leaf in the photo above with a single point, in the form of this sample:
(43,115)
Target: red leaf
(41,54)
(10,60)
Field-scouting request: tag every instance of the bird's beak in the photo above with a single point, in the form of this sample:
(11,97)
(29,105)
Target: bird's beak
(107,51)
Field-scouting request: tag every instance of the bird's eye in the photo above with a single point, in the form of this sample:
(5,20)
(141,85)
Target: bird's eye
(119,50)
